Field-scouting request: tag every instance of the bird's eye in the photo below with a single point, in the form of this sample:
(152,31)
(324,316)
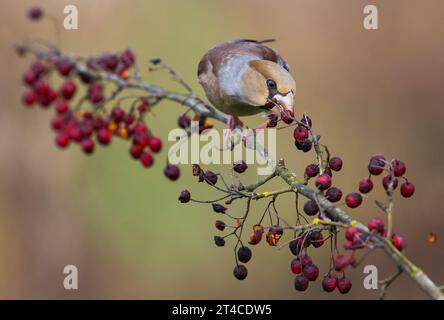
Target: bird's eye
(271,84)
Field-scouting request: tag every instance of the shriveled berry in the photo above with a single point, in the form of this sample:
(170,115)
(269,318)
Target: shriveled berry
(365,185)
(35,13)
(316,238)
(147,159)
(306,145)
(377,225)
(311,271)
(185,196)
(240,166)
(335,163)
(387,180)
(155,144)
(244,254)
(341,262)
(172,172)
(376,164)
(312,170)
(353,200)
(210,177)
(399,168)
(296,265)
(300,133)
(344,285)
(407,189)
(301,282)
(311,208)
(306,120)
(323,182)
(219,241)
(219,208)
(329,283)
(240,272)
(295,246)
(220,225)
(184,121)
(333,194)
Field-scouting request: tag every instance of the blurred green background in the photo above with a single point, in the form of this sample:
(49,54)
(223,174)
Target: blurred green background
(122,226)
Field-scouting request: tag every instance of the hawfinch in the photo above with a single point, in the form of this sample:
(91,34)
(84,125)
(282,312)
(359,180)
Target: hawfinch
(245,77)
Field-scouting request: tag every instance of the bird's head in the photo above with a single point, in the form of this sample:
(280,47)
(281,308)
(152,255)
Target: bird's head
(266,81)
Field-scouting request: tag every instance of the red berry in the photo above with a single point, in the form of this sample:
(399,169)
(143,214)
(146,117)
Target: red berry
(365,185)
(74,133)
(29,77)
(68,89)
(316,238)
(155,144)
(135,151)
(305,259)
(57,123)
(377,225)
(172,172)
(51,95)
(62,140)
(87,145)
(387,180)
(399,168)
(344,285)
(287,116)
(65,66)
(398,242)
(300,133)
(353,199)
(240,272)
(301,282)
(329,283)
(350,233)
(333,194)
(407,189)
(323,182)
(104,136)
(29,98)
(62,106)
(306,120)
(296,265)
(312,170)
(311,271)
(335,163)
(118,114)
(128,58)
(146,158)
(42,88)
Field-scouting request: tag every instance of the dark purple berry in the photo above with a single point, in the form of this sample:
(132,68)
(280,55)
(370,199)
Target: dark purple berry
(240,272)
(185,196)
(335,163)
(244,254)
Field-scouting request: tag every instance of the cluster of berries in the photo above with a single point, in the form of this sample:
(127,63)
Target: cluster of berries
(88,126)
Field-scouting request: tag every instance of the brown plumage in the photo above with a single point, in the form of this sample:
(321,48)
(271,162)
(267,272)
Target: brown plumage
(240,77)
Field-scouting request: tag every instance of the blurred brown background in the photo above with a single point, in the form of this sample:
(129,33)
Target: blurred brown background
(367,91)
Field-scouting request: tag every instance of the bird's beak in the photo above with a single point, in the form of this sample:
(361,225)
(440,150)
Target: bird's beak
(285,101)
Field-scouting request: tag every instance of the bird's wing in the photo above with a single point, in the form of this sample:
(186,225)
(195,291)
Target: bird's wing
(213,60)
